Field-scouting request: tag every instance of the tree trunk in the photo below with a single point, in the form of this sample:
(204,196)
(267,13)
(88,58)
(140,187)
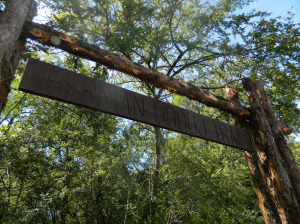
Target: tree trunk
(267,206)
(273,158)
(265,202)
(99,201)
(158,145)
(159,142)
(11,23)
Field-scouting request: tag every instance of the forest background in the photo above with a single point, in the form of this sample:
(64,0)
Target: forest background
(64,164)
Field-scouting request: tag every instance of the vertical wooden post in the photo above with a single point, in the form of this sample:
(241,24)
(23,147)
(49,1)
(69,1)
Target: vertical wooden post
(11,23)
(275,161)
(266,204)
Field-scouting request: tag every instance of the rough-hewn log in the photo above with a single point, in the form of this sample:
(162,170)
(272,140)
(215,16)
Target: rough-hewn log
(11,23)
(276,162)
(51,37)
(266,204)
(233,96)
(48,36)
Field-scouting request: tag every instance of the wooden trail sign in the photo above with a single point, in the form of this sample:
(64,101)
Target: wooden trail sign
(50,81)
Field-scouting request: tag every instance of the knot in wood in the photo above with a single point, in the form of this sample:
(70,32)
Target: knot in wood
(68,39)
(230,91)
(38,33)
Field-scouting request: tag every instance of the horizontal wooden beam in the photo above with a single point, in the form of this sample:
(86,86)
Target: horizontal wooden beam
(50,37)
(50,81)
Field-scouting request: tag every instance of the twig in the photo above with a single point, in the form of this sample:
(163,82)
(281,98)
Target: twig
(221,87)
(13,108)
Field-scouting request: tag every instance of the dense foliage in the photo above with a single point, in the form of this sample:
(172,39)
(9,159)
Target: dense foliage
(64,164)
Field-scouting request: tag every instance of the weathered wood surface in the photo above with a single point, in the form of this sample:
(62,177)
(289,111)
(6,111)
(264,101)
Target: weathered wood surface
(266,204)
(47,80)
(11,23)
(277,165)
(48,36)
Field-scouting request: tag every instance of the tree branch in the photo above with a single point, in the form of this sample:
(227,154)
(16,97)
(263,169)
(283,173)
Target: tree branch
(48,36)
(13,108)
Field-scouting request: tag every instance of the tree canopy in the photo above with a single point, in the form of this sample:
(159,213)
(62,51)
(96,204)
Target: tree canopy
(65,164)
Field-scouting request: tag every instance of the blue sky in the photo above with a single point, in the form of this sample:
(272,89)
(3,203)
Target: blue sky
(277,7)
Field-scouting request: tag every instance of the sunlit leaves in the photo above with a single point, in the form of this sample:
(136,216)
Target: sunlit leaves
(61,163)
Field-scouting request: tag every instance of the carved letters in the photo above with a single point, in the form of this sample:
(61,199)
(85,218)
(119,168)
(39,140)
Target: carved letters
(60,84)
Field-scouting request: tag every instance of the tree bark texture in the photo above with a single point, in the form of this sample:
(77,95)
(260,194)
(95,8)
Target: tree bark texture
(266,204)
(48,36)
(11,23)
(158,147)
(159,143)
(273,161)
